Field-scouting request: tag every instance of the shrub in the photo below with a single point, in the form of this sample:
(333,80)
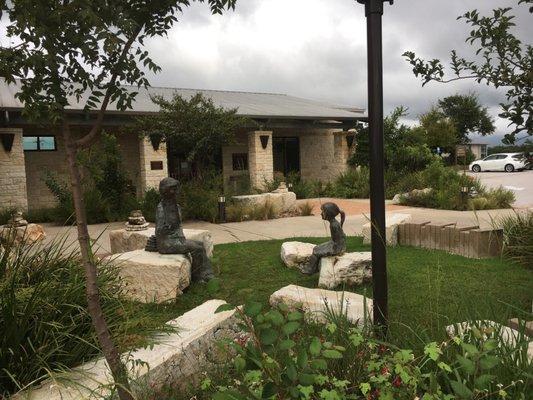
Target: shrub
(267,210)
(198,197)
(518,237)
(149,202)
(306,208)
(108,193)
(353,184)
(43,317)
(283,356)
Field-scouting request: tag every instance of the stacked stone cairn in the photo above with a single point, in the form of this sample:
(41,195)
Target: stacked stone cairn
(18,230)
(136,221)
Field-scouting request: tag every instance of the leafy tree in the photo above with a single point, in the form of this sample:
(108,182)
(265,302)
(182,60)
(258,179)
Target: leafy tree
(502,61)
(405,148)
(68,51)
(467,115)
(438,130)
(195,125)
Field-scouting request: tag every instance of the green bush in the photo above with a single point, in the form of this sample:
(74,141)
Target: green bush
(199,197)
(43,317)
(108,193)
(518,237)
(353,184)
(283,356)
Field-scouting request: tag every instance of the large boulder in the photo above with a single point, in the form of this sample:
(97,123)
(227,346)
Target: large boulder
(296,254)
(152,277)
(317,303)
(282,202)
(391,228)
(179,358)
(122,240)
(28,234)
(348,269)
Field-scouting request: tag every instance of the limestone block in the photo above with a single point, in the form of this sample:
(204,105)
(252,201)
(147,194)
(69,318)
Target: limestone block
(153,277)
(296,254)
(178,358)
(505,334)
(391,228)
(316,303)
(348,269)
(283,202)
(30,233)
(122,240)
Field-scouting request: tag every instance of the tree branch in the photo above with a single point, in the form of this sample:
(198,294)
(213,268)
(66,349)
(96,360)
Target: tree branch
(88,139)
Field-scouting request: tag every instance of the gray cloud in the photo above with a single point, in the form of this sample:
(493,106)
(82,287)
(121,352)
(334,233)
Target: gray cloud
(317,49)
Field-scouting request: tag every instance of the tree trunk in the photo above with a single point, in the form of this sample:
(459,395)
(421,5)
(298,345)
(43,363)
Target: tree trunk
(109,349)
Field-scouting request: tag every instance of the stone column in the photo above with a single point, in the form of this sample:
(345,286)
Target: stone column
(153,164)
(340,150)
(13,172)
(260,161)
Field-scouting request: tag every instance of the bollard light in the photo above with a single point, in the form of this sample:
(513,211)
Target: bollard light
(222,209)
(289,186)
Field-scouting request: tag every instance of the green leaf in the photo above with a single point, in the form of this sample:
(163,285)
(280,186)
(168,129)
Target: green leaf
(269,390)
(468,365)
(306,379)
(461,390)
(444,366)
(292,374)
(488,362)
(290,327)
(302,358)
(228,395)
(286,344)
(490,344)
(364,387)
(268,336)
(224,307)
(294,316)
(319,364)
(470,348)
(240,364)
(483,381)
(432,350)
(315,346)
(252,309)
(275,317)
(334,354)
(306,391)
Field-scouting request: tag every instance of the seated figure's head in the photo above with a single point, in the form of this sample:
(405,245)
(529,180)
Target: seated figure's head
(330,211)
(168,188)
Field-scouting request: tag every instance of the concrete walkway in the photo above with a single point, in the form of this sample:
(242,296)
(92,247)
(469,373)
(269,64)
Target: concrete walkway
(283,228)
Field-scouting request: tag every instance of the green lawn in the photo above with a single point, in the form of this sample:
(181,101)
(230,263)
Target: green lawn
(427,289)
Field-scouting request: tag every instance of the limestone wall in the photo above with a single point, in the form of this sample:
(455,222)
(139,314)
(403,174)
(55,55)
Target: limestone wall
(150,161)
(39,162)
(13,173)
(323,154)
(260,161)
(240,146)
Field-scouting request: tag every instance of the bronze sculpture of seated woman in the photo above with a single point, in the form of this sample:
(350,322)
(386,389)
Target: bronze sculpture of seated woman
(169,237)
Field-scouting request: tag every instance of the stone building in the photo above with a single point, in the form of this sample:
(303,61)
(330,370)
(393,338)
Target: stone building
(295,136)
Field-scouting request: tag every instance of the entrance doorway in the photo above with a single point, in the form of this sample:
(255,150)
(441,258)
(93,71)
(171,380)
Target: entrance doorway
(286,154)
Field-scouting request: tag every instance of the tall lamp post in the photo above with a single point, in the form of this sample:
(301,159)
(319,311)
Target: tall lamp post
(373,12)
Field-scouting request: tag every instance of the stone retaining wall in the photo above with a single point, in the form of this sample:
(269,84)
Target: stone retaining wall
(469,241)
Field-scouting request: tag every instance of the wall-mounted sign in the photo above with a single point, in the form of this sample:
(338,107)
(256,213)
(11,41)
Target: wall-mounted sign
(156,165)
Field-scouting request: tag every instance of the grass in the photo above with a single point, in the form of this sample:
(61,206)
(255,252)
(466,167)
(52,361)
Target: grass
(428,289)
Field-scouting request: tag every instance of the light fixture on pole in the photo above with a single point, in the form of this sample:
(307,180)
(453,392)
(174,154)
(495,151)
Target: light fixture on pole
(374,12)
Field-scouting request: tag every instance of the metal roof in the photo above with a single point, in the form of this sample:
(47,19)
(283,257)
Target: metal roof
(258,105)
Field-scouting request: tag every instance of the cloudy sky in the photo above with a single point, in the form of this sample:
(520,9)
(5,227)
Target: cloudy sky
(317,49)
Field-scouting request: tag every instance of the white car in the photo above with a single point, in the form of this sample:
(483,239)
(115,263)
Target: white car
(507,162)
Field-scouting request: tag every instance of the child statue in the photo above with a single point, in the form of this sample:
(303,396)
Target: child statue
(169,237)
(337,244)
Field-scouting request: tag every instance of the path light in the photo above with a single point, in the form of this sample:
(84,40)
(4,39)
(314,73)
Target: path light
(222,209)
(373,12)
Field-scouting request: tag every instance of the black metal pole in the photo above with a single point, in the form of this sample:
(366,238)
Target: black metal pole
(374,11)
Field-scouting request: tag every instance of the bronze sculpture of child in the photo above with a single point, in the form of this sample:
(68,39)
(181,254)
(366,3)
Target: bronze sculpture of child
(336,246)
(169,237)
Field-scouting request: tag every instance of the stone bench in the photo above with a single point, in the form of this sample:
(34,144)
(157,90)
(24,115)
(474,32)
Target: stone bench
(122,240)
(316,303)
(391,228)
(178,358)
(153,277)
(346,269)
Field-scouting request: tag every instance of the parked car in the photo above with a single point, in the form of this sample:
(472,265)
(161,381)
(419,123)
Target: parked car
(508,162)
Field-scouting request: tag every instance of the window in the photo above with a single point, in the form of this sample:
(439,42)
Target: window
(240,161)
(489,158)
(483,150)
(39,143)
(501,157)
